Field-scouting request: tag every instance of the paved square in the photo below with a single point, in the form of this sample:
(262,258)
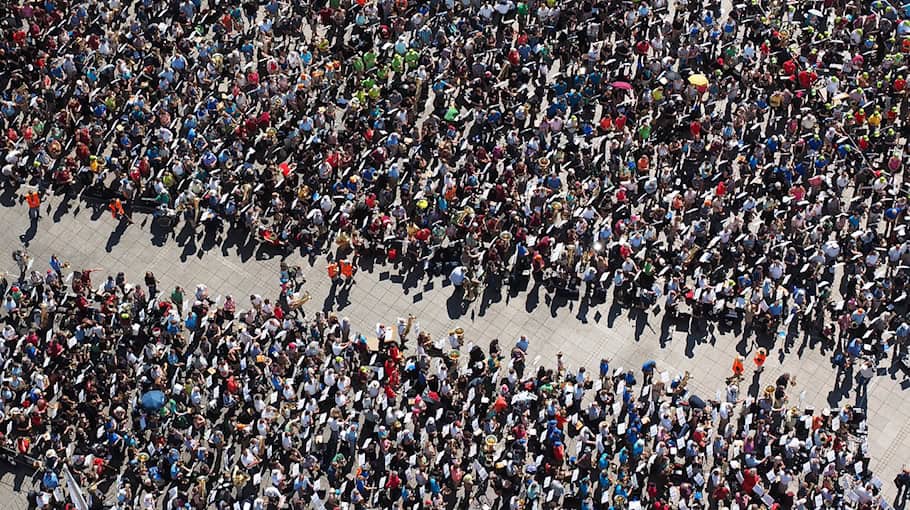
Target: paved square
(583,335)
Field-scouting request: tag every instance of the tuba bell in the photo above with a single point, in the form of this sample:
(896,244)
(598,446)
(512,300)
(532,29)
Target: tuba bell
(465,213)
(240,479)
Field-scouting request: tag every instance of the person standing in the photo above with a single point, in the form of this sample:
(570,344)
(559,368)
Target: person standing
(152,283)
(57,266)
(738,369)
(117,210)
(902,481)
(23,262)
(33,199)
(760,357)
(647,371)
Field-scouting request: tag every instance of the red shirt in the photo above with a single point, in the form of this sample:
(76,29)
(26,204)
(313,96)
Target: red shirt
(500,405)
(806,78)
(749,481)
(789,66)
(721,493)
(559,452)
(620,122)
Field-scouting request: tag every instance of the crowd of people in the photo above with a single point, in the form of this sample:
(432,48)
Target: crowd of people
(723,161)
(734,163)
(130,396)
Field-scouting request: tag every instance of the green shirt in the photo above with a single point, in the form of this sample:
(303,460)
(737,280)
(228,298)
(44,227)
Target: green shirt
(645,132)
(369,59)
(397,63)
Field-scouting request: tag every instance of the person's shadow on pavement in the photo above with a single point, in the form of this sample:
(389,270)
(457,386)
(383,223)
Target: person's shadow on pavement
(116,235)
(841,390)
(533,298)
(330,299)
(30,233)
(754,385)
(455,303)
(666,333)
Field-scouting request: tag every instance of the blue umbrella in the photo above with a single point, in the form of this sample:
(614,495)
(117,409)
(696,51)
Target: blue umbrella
(153,400)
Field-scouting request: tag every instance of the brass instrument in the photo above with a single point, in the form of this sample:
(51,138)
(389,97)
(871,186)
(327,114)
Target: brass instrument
(408,325)
(240,479)
(343,240)
(299,301)
(472,287)
(570,255)
(681,387)
(465,213)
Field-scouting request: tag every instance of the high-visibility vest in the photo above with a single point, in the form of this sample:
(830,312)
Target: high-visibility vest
(33,199)
(116,207)
(738,367)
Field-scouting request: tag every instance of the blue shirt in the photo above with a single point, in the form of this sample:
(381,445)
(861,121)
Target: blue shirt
(522,344)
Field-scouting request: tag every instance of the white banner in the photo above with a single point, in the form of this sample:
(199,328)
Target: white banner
(75,491)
